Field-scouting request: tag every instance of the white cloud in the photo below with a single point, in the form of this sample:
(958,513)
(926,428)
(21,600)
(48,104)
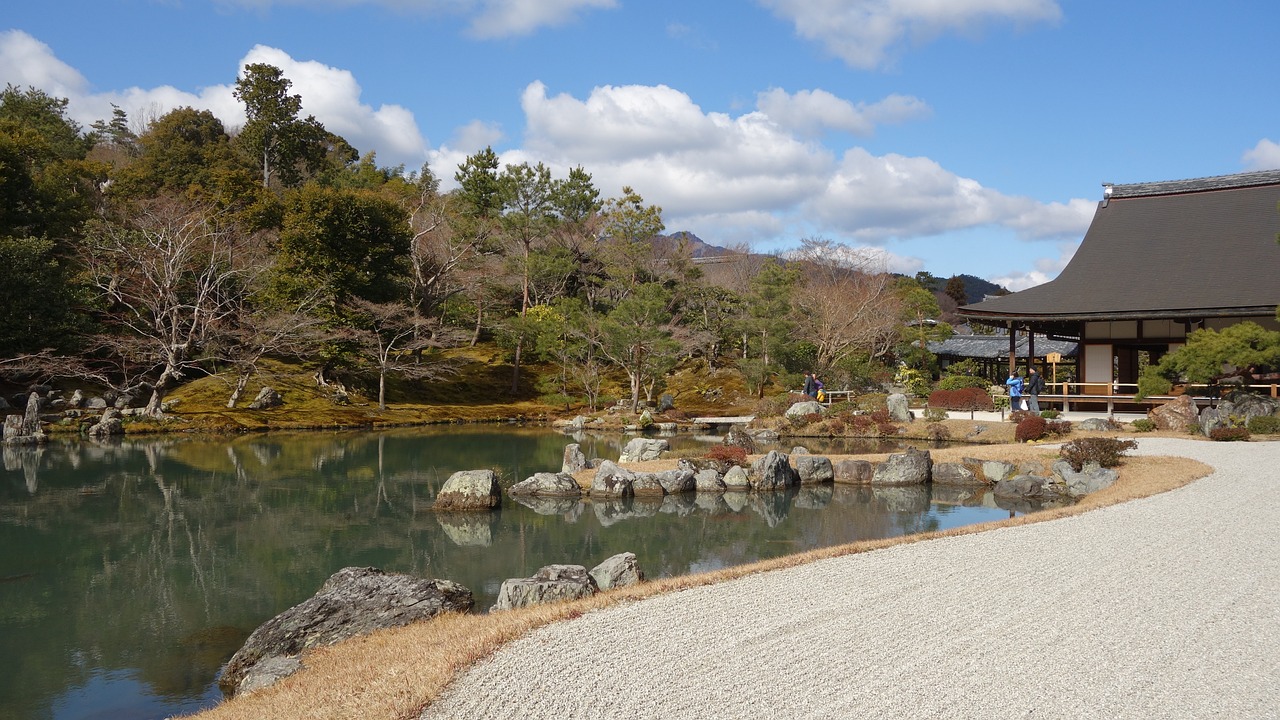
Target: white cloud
(1264,156)
(1045,269)
(810,112)
(487,18)
(878,198)
(864,33)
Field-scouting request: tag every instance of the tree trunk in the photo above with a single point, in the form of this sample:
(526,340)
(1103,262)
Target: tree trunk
(382,389)
(239,390)
(163,385)
(515,370)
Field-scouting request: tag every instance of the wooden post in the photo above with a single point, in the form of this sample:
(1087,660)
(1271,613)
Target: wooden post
(1013,348)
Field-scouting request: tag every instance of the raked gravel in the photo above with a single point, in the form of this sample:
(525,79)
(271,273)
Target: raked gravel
(1164,607)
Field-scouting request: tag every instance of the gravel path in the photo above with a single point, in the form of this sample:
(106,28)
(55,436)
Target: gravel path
(1166,607)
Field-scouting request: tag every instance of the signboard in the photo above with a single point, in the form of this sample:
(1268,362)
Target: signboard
(1053,358)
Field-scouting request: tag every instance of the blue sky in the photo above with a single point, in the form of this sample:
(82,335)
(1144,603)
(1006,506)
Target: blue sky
(954,136)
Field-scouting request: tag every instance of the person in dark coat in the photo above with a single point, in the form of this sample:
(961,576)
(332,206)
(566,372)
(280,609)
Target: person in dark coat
(810,386)
(1033,386)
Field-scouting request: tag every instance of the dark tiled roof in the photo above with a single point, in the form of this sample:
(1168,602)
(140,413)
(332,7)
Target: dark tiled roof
(1206,250)
(997,346)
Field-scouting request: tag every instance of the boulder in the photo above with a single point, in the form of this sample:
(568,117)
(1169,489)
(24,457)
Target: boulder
(708,481)
(353,601)
(108,425)
(772,472)
(574,459)
(814,469)
(1091,478)
(552,583)
(899,410)
(643,450)
(267,398)
(1213,418)
(799,450)
(469,490)
(739,437)
(618,571)
(666,402)
(853,472)
(612,481)
(77,399)
(736,478)
(993,471)
(954,473)
(910,468)
(1094,424)
(547,484)
(1020,486)
(804,408)
(1179,415)
(677,481)
(763,435)
(647,484)
(95,403)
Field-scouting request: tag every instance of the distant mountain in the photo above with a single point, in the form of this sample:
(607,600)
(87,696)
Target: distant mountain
(976,289)
(696,245)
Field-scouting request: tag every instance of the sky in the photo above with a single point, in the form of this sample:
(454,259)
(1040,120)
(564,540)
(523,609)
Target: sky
(951,136)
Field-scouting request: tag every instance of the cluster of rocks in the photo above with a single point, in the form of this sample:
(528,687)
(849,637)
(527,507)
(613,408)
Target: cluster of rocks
(554,583)
(897,405)
(1182,415)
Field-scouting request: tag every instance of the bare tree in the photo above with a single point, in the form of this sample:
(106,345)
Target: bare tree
(389,335)
(169,277)
(847,300)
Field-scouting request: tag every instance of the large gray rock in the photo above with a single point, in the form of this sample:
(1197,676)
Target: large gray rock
(1250,405)
(708,481)
(108,425)
(647,484)
(643,450)
(547,484)
(993,471)
(953,473)
(772,472)
(469,490)
(552,583)
(267,398)
(1021,486)
(854,472)
(353,601)
(677,481)
(612,481)
(24,429)
(739,437)
(1094,424)
(618,571)
(899,409)
(807,407)
(814,469)
(1091,478)
(736,478)
(1179,415)
(910,468)
(574,459)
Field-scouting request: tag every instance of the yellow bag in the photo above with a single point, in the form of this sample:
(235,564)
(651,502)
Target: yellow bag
(822,396)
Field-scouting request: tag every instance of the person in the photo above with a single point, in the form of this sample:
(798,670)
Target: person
(1033,387)
(1015,390)
(810,386)
(818,393)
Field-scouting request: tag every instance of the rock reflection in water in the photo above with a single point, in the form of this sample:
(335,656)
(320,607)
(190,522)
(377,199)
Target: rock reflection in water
(469,529)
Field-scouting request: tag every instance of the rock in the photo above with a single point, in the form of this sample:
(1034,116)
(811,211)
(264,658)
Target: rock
(578,422)
(814,469)
(643,450)
(899,411)
(807,407)
(799,450)
(267,398)
(1179,415)
(268,672)
(552,583)
(1213,418)
(646,484)
(612,481)
(953,473)
(910,468)
(763,435)
(1020,486)
(739,437)
(993,471)
(708,481)
(853,472)
(1091,478)
(618,571)
(677,481)
(771,472)
(469,490)
(77,399)
(24,429)
(108,425)
(666,402)
(95,403)
(1094,424)
(666,428)
(353,601)
(547,485)
(736,479)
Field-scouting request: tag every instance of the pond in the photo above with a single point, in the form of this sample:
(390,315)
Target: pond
(133,570)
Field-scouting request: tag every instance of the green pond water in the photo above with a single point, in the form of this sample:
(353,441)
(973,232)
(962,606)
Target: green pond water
(131,571)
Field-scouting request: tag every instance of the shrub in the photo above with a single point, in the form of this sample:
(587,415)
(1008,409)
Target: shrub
(1058,428)
(871,402)
(1107,452)
(1143,425)
(777,404)
(1020,415)
(861,424)
(835,426)
(960,382)
(887,429)
(962,399)
(844,407)
(1264,425)
(935,415)
(881,416)
(1229,434)
(1030,427)
(1049,414)
(728,455)
(937,431)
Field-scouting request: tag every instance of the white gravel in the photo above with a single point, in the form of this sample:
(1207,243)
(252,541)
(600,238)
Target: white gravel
(1166,607)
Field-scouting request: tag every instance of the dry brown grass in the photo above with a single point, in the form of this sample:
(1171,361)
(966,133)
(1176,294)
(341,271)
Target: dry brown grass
(396,673)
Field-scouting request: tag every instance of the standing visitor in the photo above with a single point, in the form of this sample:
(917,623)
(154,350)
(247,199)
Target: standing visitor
(810,386)
(1015,390)
(1033,387)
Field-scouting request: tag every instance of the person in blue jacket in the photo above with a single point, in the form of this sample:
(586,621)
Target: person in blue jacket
(1015,390)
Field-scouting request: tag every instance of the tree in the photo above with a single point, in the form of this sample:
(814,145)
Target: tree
(169,279)
(527,217)
(768,323)
(635,338)
(955,290)
(1212,354)
(628,227)
(273,133)
(847,303)
(388,334)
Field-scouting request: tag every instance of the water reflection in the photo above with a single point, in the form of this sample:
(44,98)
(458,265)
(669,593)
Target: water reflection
(133,568)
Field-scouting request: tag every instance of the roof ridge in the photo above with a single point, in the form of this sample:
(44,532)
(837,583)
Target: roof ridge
(1190,185)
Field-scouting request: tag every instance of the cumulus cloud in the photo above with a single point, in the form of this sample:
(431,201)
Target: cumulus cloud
(1263,156)
(1045,269)
(865,33)
(329,93)
(487,19)
(810,112)
(878,198)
